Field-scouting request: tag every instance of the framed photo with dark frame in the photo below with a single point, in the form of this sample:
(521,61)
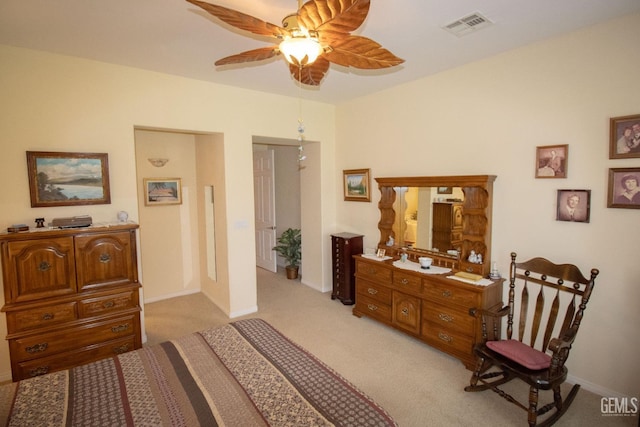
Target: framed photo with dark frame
(574,205)
(68,179)
(552,161)
(624,188)
(162,191)
(357,184)
(624,137)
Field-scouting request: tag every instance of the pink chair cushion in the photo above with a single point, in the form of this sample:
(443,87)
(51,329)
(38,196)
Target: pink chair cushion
(521,353)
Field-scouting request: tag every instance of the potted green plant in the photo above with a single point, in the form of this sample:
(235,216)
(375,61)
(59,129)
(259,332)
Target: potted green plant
(289,244)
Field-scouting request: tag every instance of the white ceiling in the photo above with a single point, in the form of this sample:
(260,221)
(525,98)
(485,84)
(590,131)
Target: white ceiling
(175,37)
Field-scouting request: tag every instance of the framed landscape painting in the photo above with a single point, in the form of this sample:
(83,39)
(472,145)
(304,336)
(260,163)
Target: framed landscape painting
(68,179)
(356,185)
(162,191)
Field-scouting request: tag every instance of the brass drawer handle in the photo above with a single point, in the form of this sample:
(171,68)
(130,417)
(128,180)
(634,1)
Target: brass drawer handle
(404,281)
(372,291)
(120,328)
(105,258)
(37,348)
(44,266)
(372,307)
(405,311)
(47,316)
(445,317)
(121,349)
(446,294)
(444,337)
(108,304)
(41,370)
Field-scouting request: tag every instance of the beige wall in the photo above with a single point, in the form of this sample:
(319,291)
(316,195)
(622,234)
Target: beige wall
(57,103)
(487,118)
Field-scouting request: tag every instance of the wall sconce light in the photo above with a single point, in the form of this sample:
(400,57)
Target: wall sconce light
(158,162)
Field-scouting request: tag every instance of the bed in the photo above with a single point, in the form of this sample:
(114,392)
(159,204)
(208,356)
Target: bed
(245,373)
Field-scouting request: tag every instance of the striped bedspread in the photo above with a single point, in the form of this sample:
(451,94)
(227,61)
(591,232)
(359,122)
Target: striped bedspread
(242,374)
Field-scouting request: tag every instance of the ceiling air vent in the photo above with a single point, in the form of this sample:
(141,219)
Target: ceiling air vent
(468,24)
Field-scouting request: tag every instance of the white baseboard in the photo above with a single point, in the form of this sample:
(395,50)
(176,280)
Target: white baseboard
(594,388)
(173,295)
(240,313)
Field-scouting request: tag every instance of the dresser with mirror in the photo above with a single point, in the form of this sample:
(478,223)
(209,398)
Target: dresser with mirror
(448,219)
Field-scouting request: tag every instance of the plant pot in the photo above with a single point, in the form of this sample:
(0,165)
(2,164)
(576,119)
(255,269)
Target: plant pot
(292,272)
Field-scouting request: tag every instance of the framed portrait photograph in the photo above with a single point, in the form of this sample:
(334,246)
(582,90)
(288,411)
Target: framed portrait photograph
(624,188)
(357,184)
(162,191)
(624,139)
(552,161)
(445,190)
(68,179)
(574,205)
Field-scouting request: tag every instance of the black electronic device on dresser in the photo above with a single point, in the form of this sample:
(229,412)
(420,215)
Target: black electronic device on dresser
(343,247)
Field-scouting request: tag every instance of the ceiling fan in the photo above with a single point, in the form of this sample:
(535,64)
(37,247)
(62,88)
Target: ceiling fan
(318,34)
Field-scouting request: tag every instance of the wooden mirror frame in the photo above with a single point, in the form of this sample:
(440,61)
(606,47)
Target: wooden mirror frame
(476,218)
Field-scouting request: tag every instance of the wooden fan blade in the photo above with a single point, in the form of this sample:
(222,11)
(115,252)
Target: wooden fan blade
(311,74)
(250,55)
(341,16)
(361,52)
(241,20)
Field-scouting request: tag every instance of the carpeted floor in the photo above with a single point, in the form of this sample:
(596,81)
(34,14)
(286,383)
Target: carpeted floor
(418,385)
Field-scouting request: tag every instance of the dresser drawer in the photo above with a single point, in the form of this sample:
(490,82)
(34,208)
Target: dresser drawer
(371,271)
(108,304)
(45,365)
(374,291)
(41,317)
(73,338)
(449,318)
(406,312)
(373,308)
(447,339)
(407,282)
(448,294)
(472,268)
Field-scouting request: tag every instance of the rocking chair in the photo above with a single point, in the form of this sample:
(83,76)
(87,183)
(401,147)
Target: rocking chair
(501,360)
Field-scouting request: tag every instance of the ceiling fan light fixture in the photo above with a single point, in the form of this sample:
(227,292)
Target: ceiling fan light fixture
(299,48)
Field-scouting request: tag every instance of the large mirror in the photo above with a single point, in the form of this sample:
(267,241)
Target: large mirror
(445,216)
(428,217)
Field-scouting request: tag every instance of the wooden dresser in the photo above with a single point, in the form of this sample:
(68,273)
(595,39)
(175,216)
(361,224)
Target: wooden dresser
(343,247)
(429,307)
(71,296)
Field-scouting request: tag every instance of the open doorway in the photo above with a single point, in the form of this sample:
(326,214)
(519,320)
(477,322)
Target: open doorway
(182,235)
(277,198)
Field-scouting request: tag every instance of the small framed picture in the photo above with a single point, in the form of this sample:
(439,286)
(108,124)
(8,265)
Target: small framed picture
(381,253)
(445,190)
(162,191)
(68,179)
(357,184)
(624,137)
(574,205)
(624,188)
(552,161)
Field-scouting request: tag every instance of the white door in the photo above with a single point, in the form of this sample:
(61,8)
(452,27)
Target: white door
(264,198)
